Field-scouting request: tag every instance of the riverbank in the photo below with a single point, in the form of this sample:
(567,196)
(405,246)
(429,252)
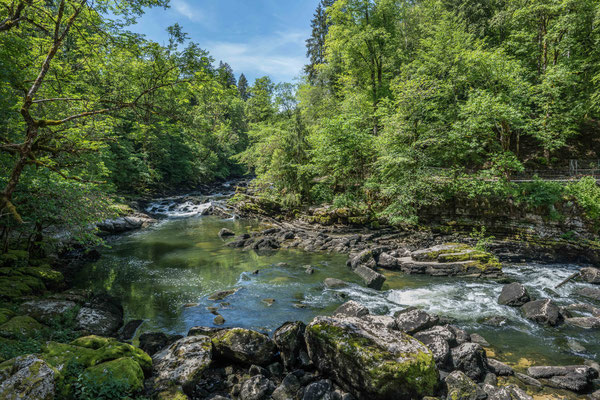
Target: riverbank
(218,363)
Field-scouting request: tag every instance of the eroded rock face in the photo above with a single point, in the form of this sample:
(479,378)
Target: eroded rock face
(244,346)
(543,311)
(29,378)
(514,295)
(370,360)
(182,363)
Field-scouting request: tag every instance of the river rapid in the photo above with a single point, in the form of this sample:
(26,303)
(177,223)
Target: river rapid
(165,274)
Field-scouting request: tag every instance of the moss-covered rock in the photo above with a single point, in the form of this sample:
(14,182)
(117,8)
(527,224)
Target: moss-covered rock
(27,378)
(93,350)
(175,393)
(14,258)
(11,288)
(124,370)
(21,327)
(5,315)
(44,273)
(371,361)
(244,346)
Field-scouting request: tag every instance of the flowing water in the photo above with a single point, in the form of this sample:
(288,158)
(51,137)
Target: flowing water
(165,274)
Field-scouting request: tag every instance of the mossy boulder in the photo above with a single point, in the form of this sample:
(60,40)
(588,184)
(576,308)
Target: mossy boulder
(175,393)
(14,258)
(93,350)
(244,346)
(124,370)
(461,387)
(12,287)
(21,327)
(44,273)
(27,378)
(370,360)
(5,315)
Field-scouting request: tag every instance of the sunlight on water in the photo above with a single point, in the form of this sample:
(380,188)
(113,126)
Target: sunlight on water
(165,274)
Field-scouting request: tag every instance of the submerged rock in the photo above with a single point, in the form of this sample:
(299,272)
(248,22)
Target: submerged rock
(222,294)
(226,233)
(542,311)
(584,322)
(371,361)
(514,295)
(182,363)
(332,283)
(589,292)
(244,346)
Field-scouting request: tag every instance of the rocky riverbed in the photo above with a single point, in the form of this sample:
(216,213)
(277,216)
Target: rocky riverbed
(254,338)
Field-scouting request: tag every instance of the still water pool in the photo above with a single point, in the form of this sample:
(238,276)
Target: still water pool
(165,274)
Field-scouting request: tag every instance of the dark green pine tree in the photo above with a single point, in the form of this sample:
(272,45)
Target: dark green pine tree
(243,87)
(226,74)
(315,45)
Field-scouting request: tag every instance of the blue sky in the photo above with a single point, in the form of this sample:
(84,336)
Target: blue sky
(256,37)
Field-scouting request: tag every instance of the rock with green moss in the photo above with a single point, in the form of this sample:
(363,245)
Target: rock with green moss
(27,378)
(5,315)
(21,327)
(244,346)
(182,363)
(451,260)
(175,393)
(44,273)
(370,360)
(11,287)
(461,387)
(47,311)
(14,258)
(124,370)
(93,350)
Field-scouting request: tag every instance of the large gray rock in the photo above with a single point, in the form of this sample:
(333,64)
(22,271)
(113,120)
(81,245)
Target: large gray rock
(369,360)
(509,392)
(589,292)
(460,387)
(28,378)
(471,359)
(499,368)
(352,309)
(289,389)
(438,345)
(584,322)
(413,320)
(244,346)
(371,278)
(98,321)
(289,339)
(365,258)
(577,378)
(514,295)
(385,260)
(125,224)
(543,311)
(590,275)
(256,388)
(320,390)
(47,311)
(182,363)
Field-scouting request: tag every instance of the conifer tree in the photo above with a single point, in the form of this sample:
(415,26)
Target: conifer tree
(243,87)
(315,45)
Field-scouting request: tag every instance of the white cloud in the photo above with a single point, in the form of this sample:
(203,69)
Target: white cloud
(183,8)
(276,56)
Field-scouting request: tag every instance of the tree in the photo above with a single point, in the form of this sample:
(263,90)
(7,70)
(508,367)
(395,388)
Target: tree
(226,74)
(260,107)
(243,87)
(315,45)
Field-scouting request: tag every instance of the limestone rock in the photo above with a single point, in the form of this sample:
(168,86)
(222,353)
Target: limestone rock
(471,359)
(542,311)
(413,320)
(514,295)
(28,378)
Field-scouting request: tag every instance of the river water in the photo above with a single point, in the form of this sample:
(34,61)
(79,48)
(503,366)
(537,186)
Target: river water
(165,274)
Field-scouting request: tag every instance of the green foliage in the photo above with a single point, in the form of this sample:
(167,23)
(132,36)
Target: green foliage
(483,241)
(587,195)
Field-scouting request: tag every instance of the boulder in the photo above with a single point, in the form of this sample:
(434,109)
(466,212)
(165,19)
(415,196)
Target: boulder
(589,292)
(320,390)
(499,368)
(20,327)
(514,295)
(460,387)
(542,311)
(289,339)
(332,283)
(372,279)
(46,311)
(371,361)
(471,359)
(128,331)
(480,340)
(28,378)
(413,320)
(289,389)
(125,370)
(385,260)
(243,346)
(98,321)
(509,392)
(365,258)
(528,380)
(226,233)
(153,342)
(5,315)
(256,388)
(590,275)
(352,309)
(438,345)
(125,224)
(584,322)
(182,363)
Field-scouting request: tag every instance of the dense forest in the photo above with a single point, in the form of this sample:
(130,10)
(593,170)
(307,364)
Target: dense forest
(404,105)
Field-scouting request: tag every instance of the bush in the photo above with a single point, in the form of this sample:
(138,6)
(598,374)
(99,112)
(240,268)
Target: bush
(587,194)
